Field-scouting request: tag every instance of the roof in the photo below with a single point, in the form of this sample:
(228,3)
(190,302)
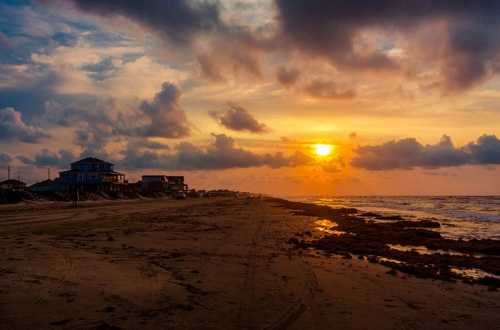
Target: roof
(47,182)
(112,173)
(100,172)
(91,160)
(13,181)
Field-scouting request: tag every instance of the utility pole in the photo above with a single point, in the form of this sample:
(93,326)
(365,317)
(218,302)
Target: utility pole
(8,172)
(48,173)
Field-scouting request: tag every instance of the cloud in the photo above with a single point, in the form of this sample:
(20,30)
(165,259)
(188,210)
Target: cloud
(485,151)
(328,29)
(332,29)
(162,117)
(101,70)
(409,153)
(93,139)
(180,21)
(221,154)
(361,35)
(193,27)
(237,118)
(327,90)
(154,145)
(91,118)
(4,41)
(97,121)
(5,159)
(209,68)
(233,52)
(13,128)
(287,77)
(46,158)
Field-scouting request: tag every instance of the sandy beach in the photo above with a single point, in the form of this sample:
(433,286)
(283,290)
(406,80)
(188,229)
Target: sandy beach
(209,263)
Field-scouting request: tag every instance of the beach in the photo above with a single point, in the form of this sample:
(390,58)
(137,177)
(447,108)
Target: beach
(242,262)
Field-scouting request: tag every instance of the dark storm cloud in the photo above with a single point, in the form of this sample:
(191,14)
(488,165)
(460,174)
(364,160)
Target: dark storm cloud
(162,117)
(178,20)
(328,28)
(27,98)
(221,154)
(237,118)
(485,151)
(13,128)
(46,158)
(409,153)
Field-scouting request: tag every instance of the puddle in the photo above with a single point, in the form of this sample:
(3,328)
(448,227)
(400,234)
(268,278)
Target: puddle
(424,250)
(473,273)
(332,232)
(326,226)
(390,260)
(325,223)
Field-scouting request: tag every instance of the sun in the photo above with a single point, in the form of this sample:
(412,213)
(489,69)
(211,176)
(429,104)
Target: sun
(323,150)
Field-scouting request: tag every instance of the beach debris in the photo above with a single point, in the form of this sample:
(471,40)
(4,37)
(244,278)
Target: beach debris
(381,242)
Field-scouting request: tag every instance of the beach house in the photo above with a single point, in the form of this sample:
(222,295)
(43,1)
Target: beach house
(12,184)
(176,183)
(91,172)
(163,183)
(154,183)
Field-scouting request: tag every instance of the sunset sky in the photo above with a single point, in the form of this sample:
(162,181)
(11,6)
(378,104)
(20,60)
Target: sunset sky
(236,94)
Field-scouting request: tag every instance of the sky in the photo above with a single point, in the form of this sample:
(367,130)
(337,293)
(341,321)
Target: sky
(237,94)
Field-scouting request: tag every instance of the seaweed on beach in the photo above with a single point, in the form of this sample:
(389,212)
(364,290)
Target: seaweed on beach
(371,240)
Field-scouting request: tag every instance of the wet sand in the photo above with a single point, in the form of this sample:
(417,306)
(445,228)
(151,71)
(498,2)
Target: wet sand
(214,263)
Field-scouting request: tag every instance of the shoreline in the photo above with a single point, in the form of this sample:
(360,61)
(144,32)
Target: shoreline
(221,262)
(356,233)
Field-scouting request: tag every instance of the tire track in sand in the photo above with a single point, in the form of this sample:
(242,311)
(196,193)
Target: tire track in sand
(245,320)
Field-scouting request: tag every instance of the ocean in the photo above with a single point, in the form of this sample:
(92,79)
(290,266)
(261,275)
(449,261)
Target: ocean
(461,217)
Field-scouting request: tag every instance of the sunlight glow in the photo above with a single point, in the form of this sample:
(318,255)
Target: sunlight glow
(323,150)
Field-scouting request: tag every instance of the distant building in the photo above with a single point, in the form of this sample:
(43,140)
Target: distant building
(46,186)
(91,171)
(12,184)
(154,183)
(163,183)
(176,183)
